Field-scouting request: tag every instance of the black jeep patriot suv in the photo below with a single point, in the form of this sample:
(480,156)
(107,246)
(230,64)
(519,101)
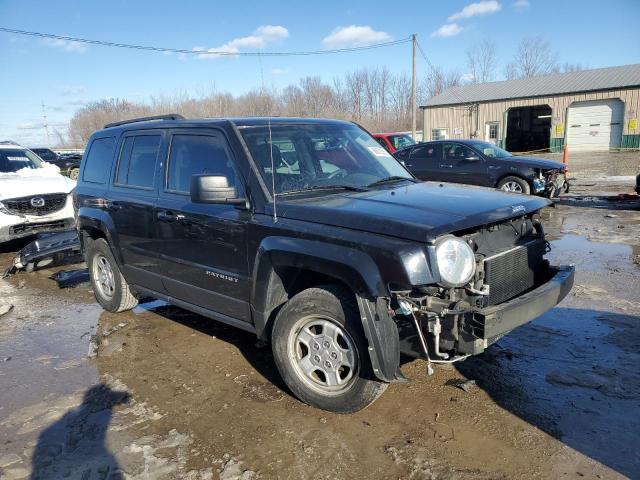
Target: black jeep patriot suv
(309,234)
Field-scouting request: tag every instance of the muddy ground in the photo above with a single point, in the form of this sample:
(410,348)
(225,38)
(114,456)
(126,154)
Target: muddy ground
(162,393)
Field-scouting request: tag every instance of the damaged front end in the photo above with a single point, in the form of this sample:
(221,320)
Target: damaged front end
(512,283)
(550,183)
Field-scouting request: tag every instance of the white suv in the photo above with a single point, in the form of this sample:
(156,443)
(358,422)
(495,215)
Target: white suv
(34,196)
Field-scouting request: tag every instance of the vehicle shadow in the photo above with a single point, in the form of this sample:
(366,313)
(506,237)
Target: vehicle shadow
(257,353)
(573,374)
(75,446)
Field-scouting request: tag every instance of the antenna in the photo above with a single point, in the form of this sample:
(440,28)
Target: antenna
(273,173)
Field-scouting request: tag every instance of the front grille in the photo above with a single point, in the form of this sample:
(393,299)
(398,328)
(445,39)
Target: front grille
(514,271)
(36,204)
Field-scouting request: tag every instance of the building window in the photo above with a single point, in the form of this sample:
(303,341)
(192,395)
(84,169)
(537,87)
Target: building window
(439,134)
(493,131)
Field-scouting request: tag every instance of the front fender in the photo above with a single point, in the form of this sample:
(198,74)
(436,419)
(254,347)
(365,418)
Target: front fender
(352,267)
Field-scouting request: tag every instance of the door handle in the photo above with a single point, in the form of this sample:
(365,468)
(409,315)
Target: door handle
(446,165)
(167,216)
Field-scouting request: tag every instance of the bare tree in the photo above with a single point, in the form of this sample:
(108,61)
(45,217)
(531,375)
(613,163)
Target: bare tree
(568,67)
(482,61)
(438,80)
(374,97)
(533,57)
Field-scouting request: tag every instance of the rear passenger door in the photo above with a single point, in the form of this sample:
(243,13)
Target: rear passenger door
(203,246)
(424,161)
(133,194)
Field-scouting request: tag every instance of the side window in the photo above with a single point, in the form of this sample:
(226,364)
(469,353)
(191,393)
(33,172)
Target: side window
(137,165)
(98,160)
(455,151)
(195,154)
(426,152)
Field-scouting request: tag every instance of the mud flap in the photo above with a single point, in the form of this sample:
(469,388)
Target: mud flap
(384,341)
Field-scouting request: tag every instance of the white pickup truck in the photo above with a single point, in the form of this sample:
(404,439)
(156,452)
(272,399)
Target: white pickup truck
(34,196)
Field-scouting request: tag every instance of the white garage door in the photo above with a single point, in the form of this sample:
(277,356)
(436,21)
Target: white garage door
(595,125)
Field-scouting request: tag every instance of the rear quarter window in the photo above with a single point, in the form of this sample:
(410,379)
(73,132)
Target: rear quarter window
(98,160)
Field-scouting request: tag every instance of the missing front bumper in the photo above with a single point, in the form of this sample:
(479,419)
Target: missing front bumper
(483,326)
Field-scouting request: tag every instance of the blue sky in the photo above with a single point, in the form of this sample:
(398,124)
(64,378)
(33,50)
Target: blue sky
(65,76)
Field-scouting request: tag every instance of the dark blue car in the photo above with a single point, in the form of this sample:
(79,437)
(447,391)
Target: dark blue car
(475,162)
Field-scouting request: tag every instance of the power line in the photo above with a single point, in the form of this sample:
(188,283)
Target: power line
(452,91)
(203,52)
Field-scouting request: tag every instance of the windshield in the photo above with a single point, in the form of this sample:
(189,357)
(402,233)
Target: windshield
(12,160)
(401,141)
(315,156)
(490,150)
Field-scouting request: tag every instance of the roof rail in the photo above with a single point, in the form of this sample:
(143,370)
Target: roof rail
(170,116)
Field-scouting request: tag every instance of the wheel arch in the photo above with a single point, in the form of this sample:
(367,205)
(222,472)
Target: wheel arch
(286,266)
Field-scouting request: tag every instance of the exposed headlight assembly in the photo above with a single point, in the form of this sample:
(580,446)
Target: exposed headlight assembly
(456,261)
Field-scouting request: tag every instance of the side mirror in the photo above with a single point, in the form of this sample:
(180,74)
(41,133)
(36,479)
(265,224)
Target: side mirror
(472,158)
(214,189)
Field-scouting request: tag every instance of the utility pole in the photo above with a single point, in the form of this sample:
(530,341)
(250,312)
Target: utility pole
(413,89)
(46,125)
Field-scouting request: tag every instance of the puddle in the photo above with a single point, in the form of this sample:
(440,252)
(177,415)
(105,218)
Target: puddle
(593,256)
(573,372)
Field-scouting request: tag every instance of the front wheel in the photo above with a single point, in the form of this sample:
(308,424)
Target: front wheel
(321,353)
(515,185)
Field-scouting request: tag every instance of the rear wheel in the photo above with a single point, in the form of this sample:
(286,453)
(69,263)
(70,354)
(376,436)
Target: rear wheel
(109,286)
(321,353)
(515,185)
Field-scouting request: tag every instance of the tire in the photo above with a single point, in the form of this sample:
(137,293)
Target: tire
(109,286)
(73,173)
(325,320)
(515,185)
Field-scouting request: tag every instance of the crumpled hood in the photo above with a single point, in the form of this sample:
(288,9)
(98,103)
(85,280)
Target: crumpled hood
(534,162)
(16,185)
(417,211)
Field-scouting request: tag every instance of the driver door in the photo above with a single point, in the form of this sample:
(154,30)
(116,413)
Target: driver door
(461,164)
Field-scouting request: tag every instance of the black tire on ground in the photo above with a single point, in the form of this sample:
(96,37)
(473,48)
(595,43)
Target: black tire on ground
(514,184)
(98,254)
(335,305)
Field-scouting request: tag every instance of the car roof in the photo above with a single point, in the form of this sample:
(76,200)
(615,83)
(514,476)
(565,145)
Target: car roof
(465,141)
(12,146)
(237,121)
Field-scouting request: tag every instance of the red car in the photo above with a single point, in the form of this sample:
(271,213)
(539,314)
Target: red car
(394,141)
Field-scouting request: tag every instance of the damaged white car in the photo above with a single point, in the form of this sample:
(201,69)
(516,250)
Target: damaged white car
(34,196)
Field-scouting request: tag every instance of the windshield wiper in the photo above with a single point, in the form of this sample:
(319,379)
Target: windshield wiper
(351,188)
(392,179)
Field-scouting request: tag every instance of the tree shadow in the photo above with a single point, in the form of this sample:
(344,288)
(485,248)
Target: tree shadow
(74,446)
(574,374)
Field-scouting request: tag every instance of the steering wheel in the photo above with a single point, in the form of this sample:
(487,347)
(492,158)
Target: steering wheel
(340,173)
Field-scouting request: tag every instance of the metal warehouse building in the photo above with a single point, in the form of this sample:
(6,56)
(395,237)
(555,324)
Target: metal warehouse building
(587,110)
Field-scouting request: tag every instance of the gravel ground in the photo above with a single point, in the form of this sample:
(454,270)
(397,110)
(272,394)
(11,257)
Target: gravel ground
(161,393)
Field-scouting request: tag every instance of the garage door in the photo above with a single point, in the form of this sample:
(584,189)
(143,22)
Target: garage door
(595,125)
